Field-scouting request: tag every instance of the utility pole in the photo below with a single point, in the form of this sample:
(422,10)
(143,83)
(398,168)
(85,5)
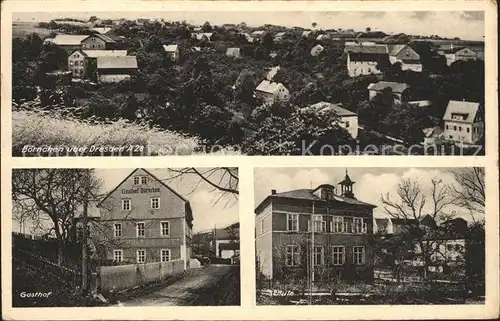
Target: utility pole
(84,233)
(311,269)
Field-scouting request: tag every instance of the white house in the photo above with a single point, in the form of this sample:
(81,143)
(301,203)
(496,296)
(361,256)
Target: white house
(406,56)
(347,119)
(454,54)
(233,52)
(172,51)
(463,122)
(317,50)
(362,59)
(272,92)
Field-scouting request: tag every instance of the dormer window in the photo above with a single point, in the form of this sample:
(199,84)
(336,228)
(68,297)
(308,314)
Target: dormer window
(459,116)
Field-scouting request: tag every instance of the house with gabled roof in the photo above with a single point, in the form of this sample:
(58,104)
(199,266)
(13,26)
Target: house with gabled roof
(98,41)
(272,92)
(406,56)
(69,43)
(456,53)
(346,118)
(116,69)
(144,220)
(317,50)
(233,52)
(401,91)
(463,122)
(83,62)
(172,51)
(339,226)
(363,59)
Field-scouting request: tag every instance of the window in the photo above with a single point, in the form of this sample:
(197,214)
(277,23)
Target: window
(292,222)
(447,127)
(141,256)
(369,70)
(346,226)
(451,136)
(141,230)
(319,224)
(338,224)
(358,255)
(118,255)
(118,229)
(165,255)
(468,130)
(358,225)
(165,228)
(292,255)
(126,205)
(71,63)
(338,255)
(459,128)
(144,180)
(155,203)
(137,180)
(318,255)
(454,127)
(347,124)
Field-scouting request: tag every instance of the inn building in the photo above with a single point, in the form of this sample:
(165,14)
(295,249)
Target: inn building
(340,246)
(144,220)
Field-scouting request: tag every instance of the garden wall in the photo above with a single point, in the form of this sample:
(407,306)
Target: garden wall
(116,278)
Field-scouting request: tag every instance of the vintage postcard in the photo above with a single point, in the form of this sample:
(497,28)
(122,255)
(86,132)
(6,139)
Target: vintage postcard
(249,160)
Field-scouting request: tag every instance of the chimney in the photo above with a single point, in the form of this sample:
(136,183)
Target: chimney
(273,191)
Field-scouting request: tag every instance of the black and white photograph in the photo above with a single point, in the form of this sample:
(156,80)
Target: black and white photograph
(388,236)
(125,237)
(248,83)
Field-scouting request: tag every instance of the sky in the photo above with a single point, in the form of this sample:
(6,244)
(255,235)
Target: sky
(371,183)
(467,25)
(208,210)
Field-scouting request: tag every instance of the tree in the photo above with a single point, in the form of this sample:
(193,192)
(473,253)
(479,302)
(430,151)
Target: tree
(313,25)
(206,27)
(268,41)
(53,197)
(412,204)
(368,29)
(471,190)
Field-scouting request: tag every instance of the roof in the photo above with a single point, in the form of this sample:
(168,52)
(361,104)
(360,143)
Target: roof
(268,87)
(258,33)
(420,103)
(366,49)
(396,87)
(200,35)
(432,131)
(321,36)
(229,246)
(104,53)
(170,48)
(105,38)
(347,180)
(324,106)
(280,34)
(189,212)
(465,108)
(69,40)
(306,33)
(272,72)
(453,50)
(394,49)
(123,62)
(102,30)
(308,194)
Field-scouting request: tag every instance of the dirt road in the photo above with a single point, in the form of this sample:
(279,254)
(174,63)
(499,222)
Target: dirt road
(210,285)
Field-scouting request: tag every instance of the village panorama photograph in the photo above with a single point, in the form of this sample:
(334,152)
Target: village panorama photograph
(248,83)
(125,237)
(336,236)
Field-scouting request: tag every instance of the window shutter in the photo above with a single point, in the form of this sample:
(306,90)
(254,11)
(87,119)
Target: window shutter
(309,225)
(365,228)
(331,226)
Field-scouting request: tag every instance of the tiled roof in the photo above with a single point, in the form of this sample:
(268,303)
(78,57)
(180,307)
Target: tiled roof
(324,106)
(268,87)
(307,194)
(69,40)
(468,109)
(366,49)
(104,53)
(124,62)
(170,48)
(272,72)
(394,49)
(396,87)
